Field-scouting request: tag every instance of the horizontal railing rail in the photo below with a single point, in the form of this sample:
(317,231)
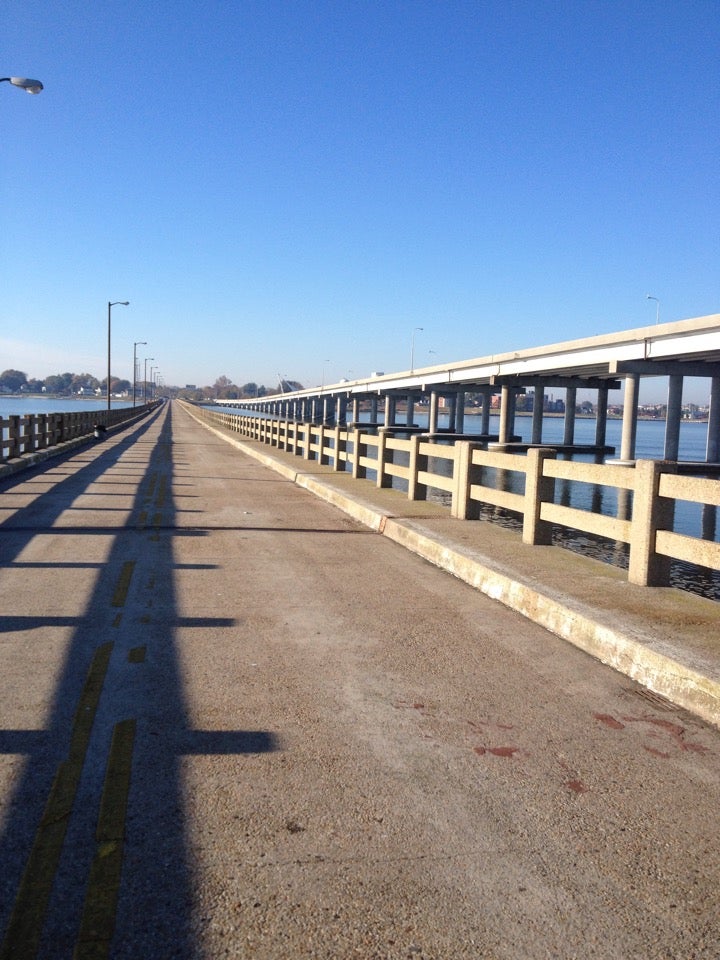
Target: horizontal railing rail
(645,494)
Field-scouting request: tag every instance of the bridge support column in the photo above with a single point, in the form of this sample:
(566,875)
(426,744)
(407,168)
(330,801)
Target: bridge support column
(434,409)
(712,449)
(390,410)
(507,414)
(373,410)
(538,410)
(630,415)
(673,416)
(570,404)
(460,412)
(601,416)
(451,402)
(410,412)
(486,406)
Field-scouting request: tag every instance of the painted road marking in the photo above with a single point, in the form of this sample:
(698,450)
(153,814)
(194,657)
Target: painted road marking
(22,938)
(98,919)
(123,585)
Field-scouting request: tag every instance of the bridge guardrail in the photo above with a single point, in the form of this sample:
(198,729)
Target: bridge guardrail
(646,492)
(27,433)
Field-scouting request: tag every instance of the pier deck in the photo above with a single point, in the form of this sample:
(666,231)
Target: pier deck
(236,721)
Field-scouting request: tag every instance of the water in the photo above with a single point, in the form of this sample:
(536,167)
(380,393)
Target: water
(21,406)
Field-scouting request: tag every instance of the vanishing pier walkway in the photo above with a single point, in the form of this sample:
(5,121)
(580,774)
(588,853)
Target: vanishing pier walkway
(235,721)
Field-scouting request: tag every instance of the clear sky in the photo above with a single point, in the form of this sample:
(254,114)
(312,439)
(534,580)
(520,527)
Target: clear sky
(294,186)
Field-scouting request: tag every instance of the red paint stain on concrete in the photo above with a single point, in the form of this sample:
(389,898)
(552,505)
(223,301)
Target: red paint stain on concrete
(609,721)
(497,751)
(577,786)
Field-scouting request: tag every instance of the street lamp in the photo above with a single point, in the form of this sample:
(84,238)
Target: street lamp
(138,343)
(123,303)
(32,86)
(145,379)
(412,349)
(152,382)
(657,310)
(322,383)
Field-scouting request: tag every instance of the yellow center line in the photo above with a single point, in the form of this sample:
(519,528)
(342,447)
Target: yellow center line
(98,919)
(123,584)
(22,938)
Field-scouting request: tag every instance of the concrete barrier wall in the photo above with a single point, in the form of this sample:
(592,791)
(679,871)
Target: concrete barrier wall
(646,491)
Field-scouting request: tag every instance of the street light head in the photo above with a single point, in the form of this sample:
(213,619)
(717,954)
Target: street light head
(32,86)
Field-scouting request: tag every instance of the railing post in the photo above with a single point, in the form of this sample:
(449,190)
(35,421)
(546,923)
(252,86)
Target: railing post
(14,436)
(462,506)
(307,452)
(418,463)
(360,448)
(539,489)
(384,456)
(338,462)
(323,458)
(650,513)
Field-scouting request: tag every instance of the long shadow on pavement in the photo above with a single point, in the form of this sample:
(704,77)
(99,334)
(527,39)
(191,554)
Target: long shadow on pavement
(130,619)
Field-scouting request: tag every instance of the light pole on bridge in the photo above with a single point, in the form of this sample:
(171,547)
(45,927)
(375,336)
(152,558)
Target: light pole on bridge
(657,309)
(115,303)
(412,349)
(145,379)
(138,343)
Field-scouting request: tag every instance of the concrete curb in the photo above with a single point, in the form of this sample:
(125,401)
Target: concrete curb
(629,652)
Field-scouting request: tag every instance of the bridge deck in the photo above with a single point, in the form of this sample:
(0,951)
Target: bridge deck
(235,722)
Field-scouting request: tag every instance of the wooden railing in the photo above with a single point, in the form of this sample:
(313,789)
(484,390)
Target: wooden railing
(471,476)
(30,432)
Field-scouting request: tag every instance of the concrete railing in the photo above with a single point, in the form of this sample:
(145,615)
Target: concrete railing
(29,433)
(472,476)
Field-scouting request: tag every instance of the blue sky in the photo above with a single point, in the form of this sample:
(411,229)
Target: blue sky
(293,187)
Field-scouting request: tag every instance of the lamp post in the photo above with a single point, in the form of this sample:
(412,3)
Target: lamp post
(31,86)
(145,379)
(412,349)
(322,383)
(657,309)
(123,303)
(138,343)
(152,382)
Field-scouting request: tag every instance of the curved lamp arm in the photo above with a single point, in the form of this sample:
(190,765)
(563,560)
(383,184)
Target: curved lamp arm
(32,86)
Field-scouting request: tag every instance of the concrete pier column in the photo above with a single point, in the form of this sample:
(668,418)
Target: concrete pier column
(410,412)
(486,403)
(537,417)
(390,410)
(630,415)
(460,412)
(570,404)
(341,411)
(451,401)
(673,416)
(328,416)
(355,409)
(373,409)
(434,409)
(712,450)
(601,416)
(507,414)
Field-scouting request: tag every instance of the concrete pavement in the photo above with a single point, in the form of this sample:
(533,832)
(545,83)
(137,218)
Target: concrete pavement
(234,722)
(664,638)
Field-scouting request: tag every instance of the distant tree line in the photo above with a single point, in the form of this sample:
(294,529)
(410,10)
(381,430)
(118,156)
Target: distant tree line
(60,384)
(85,384)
